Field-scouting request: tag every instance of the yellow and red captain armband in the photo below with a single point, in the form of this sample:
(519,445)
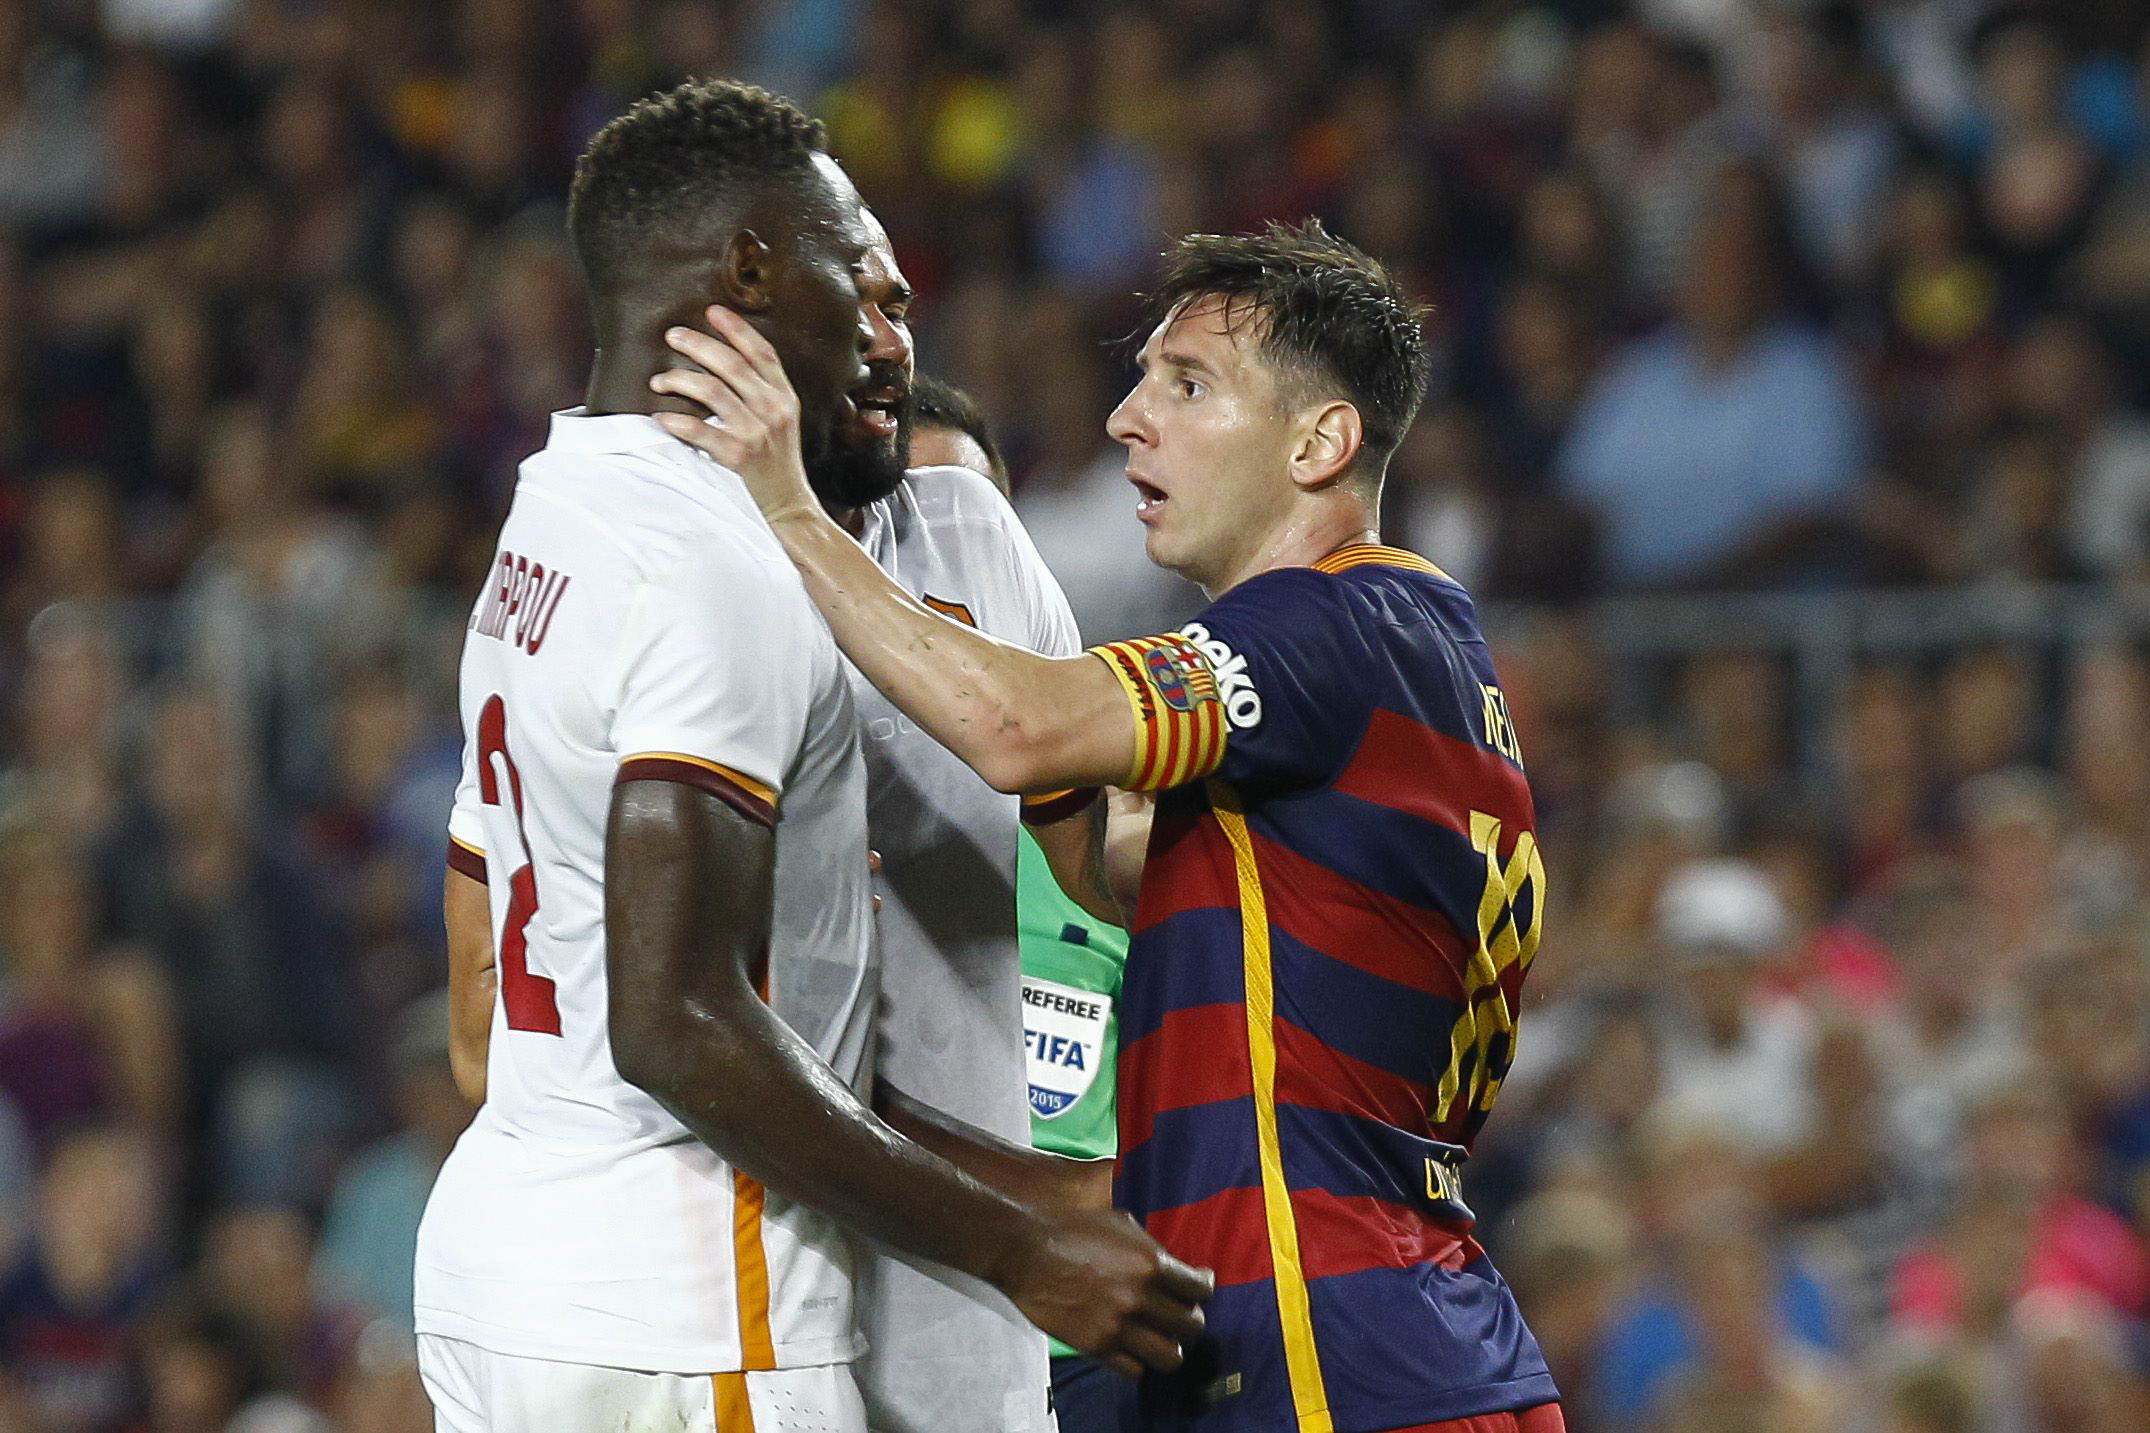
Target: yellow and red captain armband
(1047,807)
(1179,719)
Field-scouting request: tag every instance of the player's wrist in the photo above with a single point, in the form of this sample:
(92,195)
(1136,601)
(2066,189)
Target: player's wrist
(797,516)
(1015,1246)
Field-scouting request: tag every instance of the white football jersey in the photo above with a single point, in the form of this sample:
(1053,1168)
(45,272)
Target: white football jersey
(946,1354)
(641,621)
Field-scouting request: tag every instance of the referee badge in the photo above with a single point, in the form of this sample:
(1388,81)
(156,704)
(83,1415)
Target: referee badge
(1064,1040)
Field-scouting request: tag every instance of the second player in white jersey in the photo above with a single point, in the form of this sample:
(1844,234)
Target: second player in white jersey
(947,1354)
(640,621)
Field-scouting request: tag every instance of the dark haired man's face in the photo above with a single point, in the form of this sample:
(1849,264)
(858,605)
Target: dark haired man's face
(1208,443)
(873,446)
(848,363)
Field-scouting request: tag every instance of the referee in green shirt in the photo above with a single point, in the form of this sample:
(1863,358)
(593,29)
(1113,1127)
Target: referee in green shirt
(1071,984)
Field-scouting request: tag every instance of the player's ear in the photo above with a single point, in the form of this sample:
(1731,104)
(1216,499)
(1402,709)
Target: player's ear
(746,274)
(1328,445)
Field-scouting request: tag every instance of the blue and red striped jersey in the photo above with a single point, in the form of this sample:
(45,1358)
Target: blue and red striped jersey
(1320,1004)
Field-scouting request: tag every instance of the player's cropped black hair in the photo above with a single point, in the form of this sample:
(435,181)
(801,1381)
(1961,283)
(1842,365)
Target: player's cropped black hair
(935,404)
(674,156)
(1329,316)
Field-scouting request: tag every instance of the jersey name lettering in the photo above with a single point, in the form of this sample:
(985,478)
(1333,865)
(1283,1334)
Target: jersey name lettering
(1500,729)
(520,602)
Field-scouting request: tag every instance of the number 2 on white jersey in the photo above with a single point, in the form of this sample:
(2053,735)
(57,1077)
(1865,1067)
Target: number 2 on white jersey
(528,999)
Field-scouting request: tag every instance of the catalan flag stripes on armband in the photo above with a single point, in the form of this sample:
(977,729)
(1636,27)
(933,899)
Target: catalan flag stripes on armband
(1179,720)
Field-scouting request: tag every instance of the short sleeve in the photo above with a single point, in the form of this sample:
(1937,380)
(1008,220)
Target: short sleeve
(1293,673)
(1050,624)
(717,680)
(1259,689)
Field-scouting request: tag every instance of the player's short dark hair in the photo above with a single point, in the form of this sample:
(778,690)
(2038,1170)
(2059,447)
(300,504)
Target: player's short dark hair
(935,404)
(674,157)
(1331,318)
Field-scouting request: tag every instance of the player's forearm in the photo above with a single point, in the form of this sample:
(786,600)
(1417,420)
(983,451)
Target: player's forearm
(746,1085)
(472,980)
(1022,721)
(1029,1175)
(689,884)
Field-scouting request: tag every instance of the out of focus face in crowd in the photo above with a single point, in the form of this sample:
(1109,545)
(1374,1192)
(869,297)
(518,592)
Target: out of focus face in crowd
(2018,1143)
(1206,433)
(96,1210)
(258,1262)
(47,924)
(190,765)
(1721,295)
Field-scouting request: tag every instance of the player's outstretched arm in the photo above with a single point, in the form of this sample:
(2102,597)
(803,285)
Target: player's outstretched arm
(472,980)
(1022,721)
(688,887)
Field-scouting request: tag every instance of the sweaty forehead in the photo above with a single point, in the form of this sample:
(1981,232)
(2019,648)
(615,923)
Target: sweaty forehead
(881,263)
(1219,333)
(829,207)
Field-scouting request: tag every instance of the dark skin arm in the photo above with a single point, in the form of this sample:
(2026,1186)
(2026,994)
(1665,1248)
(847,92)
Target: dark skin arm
(1030,1175)
(689,883)
(472,980)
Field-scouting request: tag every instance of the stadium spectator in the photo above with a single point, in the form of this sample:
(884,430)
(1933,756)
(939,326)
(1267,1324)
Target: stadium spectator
(257,1267)
(2018,1230)
(73,1291)
(85,1034)
(202,1372)
(1718,450)
(1746,1359)
(1735,1056)
(239,927)
(1950,1038)
(369,1236)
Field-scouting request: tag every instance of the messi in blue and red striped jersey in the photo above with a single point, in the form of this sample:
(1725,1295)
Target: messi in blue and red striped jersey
(1340,902)
(1342,891)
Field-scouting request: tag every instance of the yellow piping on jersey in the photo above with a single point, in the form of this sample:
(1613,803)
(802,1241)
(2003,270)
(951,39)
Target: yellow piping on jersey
(735,1402)
(1295,1313)
(1370,553)
(737,778)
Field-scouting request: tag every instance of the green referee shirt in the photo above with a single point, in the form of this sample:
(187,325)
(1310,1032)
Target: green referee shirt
(1071,984)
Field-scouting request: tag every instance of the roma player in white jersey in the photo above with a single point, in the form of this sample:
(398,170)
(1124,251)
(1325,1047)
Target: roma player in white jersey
(662,833)
(947,1354)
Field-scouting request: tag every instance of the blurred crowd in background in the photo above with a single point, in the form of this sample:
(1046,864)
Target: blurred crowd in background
(1833,1111)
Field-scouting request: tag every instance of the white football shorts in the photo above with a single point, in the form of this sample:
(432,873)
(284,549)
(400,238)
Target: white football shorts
(475,1390)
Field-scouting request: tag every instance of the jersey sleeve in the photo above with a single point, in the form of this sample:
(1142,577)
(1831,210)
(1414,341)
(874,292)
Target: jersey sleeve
(1261,688)
(717,680)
